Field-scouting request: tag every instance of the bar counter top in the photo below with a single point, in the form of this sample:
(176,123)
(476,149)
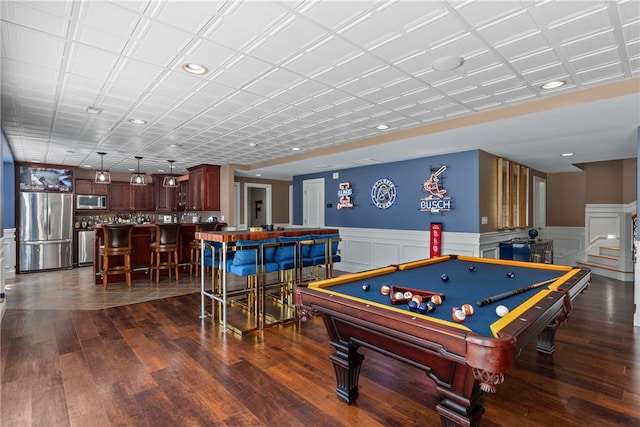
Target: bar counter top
(234,236)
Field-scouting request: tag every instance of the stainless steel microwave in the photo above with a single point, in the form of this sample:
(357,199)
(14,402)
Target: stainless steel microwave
(91,202)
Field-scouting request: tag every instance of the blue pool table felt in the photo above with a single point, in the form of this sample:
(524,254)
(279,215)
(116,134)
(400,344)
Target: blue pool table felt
(464,287)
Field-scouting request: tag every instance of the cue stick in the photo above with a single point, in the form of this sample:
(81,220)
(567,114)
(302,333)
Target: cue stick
(507,294)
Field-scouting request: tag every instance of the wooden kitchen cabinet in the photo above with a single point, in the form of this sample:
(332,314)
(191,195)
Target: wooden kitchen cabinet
(182,196)
(164,197)
(88,187)
(204,188)
(127,197)
(120,196)
(142,197)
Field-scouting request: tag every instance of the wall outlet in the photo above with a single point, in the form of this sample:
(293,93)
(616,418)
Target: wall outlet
(485,220)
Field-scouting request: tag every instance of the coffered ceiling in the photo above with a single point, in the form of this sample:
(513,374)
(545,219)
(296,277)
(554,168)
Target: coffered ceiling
(318,76)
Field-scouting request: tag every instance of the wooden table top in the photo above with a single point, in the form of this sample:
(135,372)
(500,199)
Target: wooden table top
(234,236)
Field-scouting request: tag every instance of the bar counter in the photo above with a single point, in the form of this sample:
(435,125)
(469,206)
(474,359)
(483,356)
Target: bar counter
(234,236)
(143,235)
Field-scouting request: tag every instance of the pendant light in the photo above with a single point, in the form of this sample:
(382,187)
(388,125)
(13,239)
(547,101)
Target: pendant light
(138,178)
(170,181)
(102,176)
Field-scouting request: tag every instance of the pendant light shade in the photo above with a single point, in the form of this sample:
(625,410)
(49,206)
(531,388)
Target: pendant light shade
(138,178)
(170,181)
(102,176)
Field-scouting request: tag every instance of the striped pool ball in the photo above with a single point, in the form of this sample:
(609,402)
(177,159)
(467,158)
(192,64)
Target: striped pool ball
(468,309)
(436,299)
(385,289)
(458,315)
(417,298)
(398,296)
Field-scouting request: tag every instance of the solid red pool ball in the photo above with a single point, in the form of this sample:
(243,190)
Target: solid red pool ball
(385,289)
(436,299)
(468,309)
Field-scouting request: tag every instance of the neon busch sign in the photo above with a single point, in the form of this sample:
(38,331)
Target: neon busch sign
(344,193)
(435,201)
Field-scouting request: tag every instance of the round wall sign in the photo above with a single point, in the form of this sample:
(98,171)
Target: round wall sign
(383,193)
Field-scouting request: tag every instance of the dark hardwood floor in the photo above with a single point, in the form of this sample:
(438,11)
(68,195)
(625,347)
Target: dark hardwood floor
(155,363)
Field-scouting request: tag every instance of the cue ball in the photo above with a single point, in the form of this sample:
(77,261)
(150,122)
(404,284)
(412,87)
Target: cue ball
(511,274)
(412,305)
(422,308)
(472,268)
(502,310)
(385,289)
(436,299)
(458,315)
(365,286)
(468,309)
(444,277)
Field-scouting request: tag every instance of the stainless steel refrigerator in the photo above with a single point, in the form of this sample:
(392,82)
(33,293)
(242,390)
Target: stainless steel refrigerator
(46,231)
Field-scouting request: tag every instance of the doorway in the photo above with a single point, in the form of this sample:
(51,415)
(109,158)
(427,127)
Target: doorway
(313,202)
(257,204)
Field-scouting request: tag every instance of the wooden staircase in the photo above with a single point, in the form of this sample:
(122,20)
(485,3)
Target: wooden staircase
(605,263)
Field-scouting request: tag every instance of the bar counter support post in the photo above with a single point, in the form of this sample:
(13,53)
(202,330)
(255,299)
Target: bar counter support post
(202,290)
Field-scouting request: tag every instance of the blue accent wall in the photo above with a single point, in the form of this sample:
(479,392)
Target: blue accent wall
(8,185)
(460,180)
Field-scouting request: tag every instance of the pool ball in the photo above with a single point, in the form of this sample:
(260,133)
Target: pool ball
(511,274)
(444,277)
(431,307)
(458,315)
(407,295)
(412,305)
(417,298)
(422,308)
(398,296)
(365,286)
(385,289)
(502,310)
(436,299)
(468,309)
(472,268)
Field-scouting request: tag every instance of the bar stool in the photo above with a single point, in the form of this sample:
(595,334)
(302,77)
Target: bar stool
(194,246)
(166,242)
(117,243)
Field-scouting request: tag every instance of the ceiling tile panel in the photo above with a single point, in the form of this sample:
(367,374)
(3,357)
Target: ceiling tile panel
(91,62)
(299,34)
(29,15)
(445,28)
(136,74)
(335,15)
(257,16)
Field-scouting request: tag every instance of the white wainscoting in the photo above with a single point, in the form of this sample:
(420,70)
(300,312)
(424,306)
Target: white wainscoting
(636,286)
(568,244)
(366,248)
(9,245)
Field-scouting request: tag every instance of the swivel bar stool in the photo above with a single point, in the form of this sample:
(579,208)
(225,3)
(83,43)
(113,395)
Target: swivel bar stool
(117,243)
(166,241)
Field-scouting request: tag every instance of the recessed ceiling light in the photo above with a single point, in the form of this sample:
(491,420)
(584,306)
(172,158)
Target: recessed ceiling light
(567,154)
(86,166)
(258,174)
(253,144)
(295,149)
(193,68)
(383,127)
(94,110)
(447,63)
(138,121)
(553,84)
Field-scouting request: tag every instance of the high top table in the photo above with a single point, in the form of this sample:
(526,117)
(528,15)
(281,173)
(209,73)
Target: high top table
(229,237)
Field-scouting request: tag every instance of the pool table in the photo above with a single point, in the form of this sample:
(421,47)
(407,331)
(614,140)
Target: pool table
(463,358)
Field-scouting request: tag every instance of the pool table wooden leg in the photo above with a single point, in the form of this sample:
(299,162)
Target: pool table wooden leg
(547,339)
(346,364)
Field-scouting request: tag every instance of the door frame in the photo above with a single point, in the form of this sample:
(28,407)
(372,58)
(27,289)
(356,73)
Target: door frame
(267,203)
